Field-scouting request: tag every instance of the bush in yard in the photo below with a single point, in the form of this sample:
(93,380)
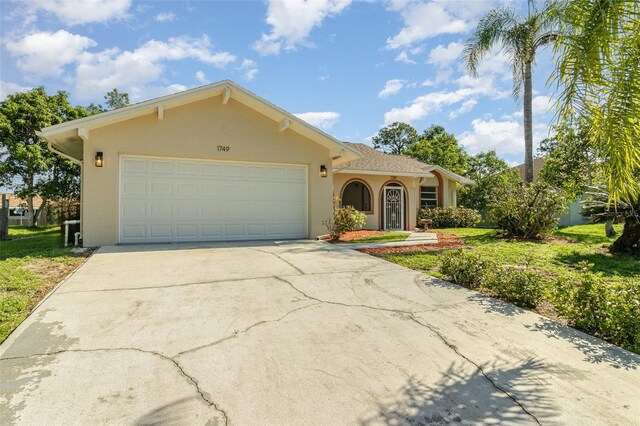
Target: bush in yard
(450,217)
(344,219)
(610,311)
(522,287)
(526,210)
(464,268)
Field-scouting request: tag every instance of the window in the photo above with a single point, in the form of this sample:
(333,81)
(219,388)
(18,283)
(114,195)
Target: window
(428,196)
(357,194)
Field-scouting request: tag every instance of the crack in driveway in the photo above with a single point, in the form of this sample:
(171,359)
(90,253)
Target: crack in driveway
(191,379)
(412,317)
(237,333)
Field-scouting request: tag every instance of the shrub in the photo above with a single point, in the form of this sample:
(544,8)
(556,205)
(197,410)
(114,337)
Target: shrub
(526,210)
(450,217)
(609,311)
(464,267)
(522,287)
(344,219)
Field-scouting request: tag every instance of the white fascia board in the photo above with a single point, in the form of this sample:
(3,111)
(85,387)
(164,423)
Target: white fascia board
(384,173)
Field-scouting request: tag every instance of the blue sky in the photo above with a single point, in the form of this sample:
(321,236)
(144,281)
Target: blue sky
(347,67)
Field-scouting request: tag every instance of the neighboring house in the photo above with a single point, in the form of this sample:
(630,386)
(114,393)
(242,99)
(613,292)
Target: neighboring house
(571,215)
(390,189)
(219,163)
(18,213)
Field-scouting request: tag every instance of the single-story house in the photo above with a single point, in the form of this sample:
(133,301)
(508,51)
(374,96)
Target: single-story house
(18,212)
(219,163)
(390,189)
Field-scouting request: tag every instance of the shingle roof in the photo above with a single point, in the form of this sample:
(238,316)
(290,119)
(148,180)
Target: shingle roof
(374,160)
(538,163)
(377,161)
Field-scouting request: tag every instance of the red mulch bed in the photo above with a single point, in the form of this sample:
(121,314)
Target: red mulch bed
(356,235)
(445,242)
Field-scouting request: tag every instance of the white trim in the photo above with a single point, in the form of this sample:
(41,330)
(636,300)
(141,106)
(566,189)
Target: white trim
(83,133)
(427,173)
(160,112)
(284,124)
(62,154)
(402,209)
(226,95)
(383,173)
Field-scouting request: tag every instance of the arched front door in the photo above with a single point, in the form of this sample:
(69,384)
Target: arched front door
(393,207)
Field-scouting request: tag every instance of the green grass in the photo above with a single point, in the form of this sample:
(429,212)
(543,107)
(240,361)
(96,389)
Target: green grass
(551,258)
(31,264)
(387,237)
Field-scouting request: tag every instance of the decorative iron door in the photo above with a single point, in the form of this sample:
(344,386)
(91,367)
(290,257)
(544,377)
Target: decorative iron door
(393,208)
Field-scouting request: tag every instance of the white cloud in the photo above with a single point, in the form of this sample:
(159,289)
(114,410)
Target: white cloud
(505,137)
(320,119)
(466,107)
(443,56)
(291,22)
(432,102)
(76,12)
(404,57)
(8,88)
(132,71)
(201,77)
(250,68)
(425,20)
(45,54)
(165,17)
(391,87)
(541,104)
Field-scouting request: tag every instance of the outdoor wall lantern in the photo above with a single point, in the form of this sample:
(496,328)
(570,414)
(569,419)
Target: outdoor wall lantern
(323,171)
(99,159)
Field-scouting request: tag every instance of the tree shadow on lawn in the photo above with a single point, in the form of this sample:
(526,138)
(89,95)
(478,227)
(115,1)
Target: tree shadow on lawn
(467,396)
(595,350)
(610,265)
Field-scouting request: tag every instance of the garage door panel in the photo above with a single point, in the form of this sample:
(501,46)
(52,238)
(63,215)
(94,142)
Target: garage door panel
(131,165)
(191,200)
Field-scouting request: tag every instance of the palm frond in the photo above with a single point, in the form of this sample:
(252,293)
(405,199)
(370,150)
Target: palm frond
(490,31)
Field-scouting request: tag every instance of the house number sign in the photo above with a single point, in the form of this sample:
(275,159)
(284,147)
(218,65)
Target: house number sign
(224,148)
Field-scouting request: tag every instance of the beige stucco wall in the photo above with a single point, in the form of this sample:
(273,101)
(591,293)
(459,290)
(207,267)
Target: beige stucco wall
(193,131)
(412,185)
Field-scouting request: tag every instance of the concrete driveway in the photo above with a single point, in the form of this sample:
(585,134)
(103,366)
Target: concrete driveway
(298,333)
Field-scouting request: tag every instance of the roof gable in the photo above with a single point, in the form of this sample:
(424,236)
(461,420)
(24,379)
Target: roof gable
(62,137)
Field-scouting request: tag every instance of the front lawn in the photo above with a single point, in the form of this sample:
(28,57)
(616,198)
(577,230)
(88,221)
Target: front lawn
(552,257)
(565,254)
(31,264)
(387,237)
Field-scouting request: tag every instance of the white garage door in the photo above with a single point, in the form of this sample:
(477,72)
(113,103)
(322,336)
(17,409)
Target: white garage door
(165,200)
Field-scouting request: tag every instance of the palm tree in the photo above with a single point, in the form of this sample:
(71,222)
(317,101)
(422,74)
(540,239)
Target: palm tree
(598,76)
(519,38)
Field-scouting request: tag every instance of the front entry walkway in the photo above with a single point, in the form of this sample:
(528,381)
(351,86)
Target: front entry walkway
(296,334)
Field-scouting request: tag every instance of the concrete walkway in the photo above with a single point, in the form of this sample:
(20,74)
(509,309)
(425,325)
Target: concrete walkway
(414,239)
(301,333)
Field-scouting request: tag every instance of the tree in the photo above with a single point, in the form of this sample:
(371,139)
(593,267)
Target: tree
(489,172)
(436,146)
(598,74)
(395,138)
(570,162)
(116,99)
(27,166)
(519,38)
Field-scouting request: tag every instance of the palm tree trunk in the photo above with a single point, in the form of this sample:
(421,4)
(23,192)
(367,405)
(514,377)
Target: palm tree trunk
(629,238)
(528,124)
